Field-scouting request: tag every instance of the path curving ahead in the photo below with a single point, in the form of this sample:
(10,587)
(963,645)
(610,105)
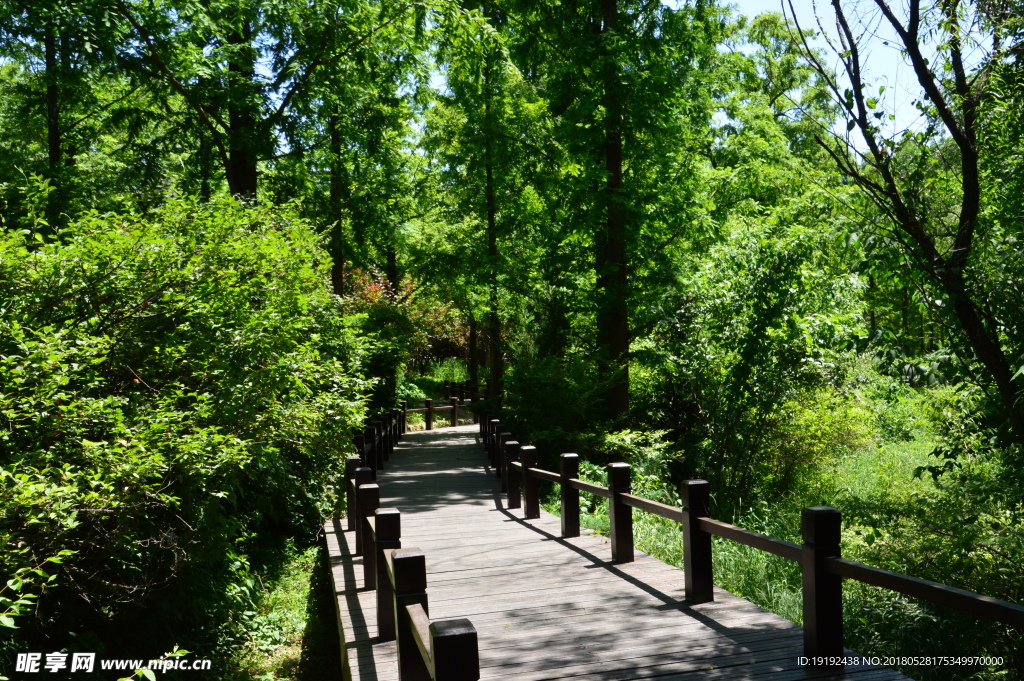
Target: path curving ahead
(546,607)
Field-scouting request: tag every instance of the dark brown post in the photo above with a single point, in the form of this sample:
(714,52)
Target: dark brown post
(512,475)
(382,444)
(410,573)
(430,414)
(620,516)
(369,502)
(531,493)
(499,459)
(476,416)
(455,650)
(364,476)
(370,452)
(389,537)
(570,496)
(404,406)
(455,411)
(823,591)
(351,464)
(389,425)
(700,587)
(493,430)
(484,422)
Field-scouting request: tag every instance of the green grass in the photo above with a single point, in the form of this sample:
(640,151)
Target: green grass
(292,634)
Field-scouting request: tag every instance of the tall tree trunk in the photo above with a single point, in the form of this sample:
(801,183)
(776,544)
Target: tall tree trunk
(338,183)
(242,134)
(54,205)
(494,320)
(474,359)
(611,261)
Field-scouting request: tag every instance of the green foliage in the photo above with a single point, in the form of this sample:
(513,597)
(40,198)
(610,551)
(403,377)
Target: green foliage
(175,389)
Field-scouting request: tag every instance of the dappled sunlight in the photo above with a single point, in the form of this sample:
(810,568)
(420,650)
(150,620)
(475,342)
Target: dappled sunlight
(545,607)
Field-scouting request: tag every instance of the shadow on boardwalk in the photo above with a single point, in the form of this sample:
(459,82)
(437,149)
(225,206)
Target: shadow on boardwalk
(546,607)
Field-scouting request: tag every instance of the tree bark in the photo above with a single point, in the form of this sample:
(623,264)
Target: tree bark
(612,258)
(337,182)
(496,351)
(242,120)
(54,204)
(474,360)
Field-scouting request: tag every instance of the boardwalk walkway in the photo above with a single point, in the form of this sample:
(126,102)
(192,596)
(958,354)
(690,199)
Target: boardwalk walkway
(545,607)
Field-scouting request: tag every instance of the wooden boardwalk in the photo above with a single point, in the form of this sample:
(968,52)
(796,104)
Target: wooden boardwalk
(546,607)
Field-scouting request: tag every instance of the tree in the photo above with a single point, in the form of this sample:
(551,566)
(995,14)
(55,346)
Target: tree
(620,78)
(895,170)
(206,53)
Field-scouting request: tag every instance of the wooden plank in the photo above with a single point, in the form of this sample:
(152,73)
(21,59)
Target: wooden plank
(551,608)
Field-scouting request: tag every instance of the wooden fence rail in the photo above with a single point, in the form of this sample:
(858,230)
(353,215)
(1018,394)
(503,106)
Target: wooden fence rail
(445,650)
(819,555)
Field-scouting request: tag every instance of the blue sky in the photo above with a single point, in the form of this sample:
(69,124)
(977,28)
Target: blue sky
(884,63)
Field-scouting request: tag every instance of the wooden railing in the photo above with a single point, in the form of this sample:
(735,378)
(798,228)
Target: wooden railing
(445,650)
(820,556)
(459,395)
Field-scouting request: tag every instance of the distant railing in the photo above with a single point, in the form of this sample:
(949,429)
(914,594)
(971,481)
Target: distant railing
(459,395)
(427,651)
(820,556)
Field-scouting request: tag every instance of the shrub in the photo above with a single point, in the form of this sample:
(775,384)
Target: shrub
(175,389)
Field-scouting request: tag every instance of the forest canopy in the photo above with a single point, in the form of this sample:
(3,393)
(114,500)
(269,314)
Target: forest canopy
(665,233)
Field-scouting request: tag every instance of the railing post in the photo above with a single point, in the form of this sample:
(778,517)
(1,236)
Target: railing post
(455,411)
(511,453)
(570,496)
(395,434)
(388,537)
(493,430)
(499,460)
(351,464)
(369,502)
(364,476)
(370,457)
(823,591)
(698,575)
(430,414)
(620,516)
(455,650)
(531,493)
(382,444)
(389,434)
(484,422)
(476,415)
(410,583)
(404,406)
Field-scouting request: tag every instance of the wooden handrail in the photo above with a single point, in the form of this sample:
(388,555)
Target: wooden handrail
(591,488)
(420,628)
(654,507)
(446,650)
(819,555)
(761,542)
(927,590)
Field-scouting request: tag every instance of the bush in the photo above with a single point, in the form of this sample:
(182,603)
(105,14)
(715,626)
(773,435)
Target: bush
(175,389)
